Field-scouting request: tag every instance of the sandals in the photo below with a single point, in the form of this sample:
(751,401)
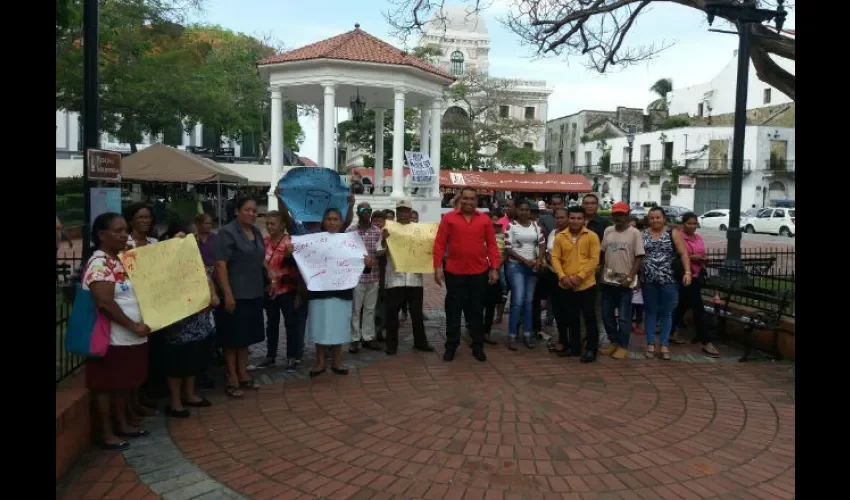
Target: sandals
(316,373)
(713,352)
(511,344)
(133,434)
(340,371)
(666,356)
(650,352)
(233,391)
(249,384)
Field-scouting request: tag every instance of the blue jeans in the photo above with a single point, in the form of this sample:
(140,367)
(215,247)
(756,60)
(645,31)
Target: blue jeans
(522,280)
(659,303)
(617,298)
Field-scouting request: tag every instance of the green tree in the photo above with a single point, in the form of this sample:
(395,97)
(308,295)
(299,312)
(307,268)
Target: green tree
(362,135)
(662,88)
(512,155)
(428,53)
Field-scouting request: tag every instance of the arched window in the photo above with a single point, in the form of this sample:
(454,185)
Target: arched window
(457,63)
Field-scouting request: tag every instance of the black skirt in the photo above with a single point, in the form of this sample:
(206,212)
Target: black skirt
(185,360)
(243,327)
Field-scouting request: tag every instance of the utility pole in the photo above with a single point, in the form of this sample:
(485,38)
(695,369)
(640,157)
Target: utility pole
(91,129)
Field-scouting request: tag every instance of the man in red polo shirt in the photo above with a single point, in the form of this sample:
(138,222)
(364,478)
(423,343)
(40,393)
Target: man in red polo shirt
(472,250)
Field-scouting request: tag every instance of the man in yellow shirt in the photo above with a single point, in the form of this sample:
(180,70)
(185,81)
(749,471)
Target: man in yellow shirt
(575,257)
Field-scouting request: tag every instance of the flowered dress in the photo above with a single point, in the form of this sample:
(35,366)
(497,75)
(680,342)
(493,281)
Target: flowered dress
(103,268)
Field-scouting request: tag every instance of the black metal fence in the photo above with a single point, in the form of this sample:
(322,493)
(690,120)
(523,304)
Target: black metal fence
(772,268)
(66,267)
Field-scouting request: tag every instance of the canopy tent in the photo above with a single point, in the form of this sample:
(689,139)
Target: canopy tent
(500,181)
(161,163)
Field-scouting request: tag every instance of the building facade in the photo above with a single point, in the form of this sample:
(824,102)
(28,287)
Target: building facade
(691,166)
(717,96)
(464,43)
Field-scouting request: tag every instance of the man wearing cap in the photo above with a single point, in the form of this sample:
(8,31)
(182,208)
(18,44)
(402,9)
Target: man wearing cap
(366,292)
(622,250)
(403,288)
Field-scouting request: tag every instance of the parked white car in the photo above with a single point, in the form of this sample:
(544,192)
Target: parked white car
(781,221)
(715,219)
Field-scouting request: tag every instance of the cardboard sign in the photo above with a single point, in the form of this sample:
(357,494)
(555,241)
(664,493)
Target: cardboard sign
(421,170)
(309,191)
(329,261)
(412,246)
(169,280)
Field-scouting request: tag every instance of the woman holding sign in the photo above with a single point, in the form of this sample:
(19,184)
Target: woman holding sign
(241,272)
(329,313)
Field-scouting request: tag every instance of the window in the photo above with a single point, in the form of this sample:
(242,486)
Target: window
(588,158)
(792,213)
(529,112)
(765,214)
(457,63)
(699,109)
(528,145)
(505,111)
(767,96)
(644,156)
(779,214)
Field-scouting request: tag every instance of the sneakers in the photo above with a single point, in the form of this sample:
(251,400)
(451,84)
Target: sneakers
(608,349)
(291,366)
(620,353)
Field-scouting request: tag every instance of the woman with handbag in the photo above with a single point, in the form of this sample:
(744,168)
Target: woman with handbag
(660,278)
(124,368)
(282,295)
(241,273)
(525,245)
(690,297)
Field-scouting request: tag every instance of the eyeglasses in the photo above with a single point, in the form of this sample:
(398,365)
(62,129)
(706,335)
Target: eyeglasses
(364,209)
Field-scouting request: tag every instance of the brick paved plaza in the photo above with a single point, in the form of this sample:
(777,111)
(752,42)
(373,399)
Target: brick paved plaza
(521,425)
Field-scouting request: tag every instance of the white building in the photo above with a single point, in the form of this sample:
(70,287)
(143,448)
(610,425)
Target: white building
(702,158)
(717,96)
(464,40)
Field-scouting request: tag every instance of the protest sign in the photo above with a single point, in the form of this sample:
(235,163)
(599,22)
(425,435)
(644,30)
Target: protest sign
(412,246)
(309,191)
(329,261)
(169,280)
(421,171)
(104,200)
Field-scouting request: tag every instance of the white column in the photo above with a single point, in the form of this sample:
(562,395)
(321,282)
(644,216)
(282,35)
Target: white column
(320,160)
(328,160)
(398,145)
(424,124)
(436,131)
(378,179)
(276,145)
(187,138)
(199,134)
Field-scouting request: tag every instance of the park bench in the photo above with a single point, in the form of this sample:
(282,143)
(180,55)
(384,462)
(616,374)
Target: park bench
(758,266)
(767,308)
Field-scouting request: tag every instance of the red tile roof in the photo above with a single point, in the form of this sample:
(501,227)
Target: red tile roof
(355,45)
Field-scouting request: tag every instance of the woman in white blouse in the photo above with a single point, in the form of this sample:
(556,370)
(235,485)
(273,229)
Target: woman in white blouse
(525,247)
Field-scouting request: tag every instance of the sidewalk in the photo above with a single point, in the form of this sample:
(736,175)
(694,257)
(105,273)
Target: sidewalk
(524,424)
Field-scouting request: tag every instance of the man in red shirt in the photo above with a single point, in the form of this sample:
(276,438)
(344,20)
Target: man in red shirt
(472,250)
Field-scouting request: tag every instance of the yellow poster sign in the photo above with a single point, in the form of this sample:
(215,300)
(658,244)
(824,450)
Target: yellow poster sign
(412,246)
(169,280)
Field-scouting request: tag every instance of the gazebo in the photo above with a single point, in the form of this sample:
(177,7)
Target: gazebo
(357,67)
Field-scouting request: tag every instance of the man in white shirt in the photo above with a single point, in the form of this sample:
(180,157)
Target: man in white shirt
(403,288)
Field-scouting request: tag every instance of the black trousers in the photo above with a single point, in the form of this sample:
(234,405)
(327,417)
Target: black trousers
(465,294)
(571,308)
(396,298)
(690,298)
(546,281)
(492,300)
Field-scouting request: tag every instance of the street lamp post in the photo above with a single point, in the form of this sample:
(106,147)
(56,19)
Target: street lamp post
(743,13)
(91,130)
(630,138)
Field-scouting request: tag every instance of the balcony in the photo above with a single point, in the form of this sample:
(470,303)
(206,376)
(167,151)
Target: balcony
(779,165)
(591,169)
(714,165)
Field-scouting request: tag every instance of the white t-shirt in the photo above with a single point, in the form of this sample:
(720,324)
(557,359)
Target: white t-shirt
(525,241)
(132,243)
(104,268)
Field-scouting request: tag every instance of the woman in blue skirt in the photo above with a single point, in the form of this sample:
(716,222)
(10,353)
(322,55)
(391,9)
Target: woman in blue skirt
(329,313)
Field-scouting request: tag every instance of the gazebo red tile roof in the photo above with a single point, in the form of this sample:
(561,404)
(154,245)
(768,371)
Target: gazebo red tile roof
(355,45)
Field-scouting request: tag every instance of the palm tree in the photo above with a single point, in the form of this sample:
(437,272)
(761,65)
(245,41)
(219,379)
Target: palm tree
(662,87)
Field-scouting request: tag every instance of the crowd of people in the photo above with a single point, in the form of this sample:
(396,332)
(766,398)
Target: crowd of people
(555,264)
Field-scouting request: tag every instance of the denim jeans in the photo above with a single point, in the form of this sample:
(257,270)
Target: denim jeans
(659,302)
(616,298)
(522,280)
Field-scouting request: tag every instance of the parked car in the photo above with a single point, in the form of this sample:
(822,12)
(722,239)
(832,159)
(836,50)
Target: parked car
(781,221)
(675,213)
(715,219)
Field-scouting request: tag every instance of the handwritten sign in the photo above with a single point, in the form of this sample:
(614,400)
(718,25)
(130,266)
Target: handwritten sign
(412,246)
(329,261)
(105,200)
(421,170)
(309,191)
(169,280)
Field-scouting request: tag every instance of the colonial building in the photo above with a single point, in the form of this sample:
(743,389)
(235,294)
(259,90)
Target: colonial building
(464,43)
